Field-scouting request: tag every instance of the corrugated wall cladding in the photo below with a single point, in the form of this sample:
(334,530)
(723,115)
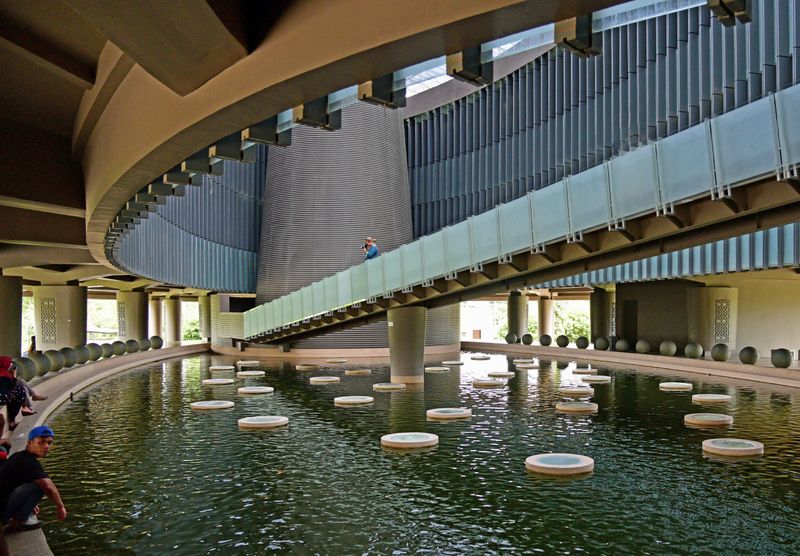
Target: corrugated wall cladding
(563,114)
(207,239)
(224,326)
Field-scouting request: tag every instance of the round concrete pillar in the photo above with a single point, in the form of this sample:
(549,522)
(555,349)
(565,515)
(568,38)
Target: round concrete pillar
(172,321)
(517,314)
(132,315)
(407,344)
(154,322)
(545,307)
(59,316)
(204,310)
(11,323)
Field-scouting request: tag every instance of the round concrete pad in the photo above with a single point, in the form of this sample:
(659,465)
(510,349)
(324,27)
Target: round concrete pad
(559,464)
(217,381)
(736,447)
(323,379)
(263,422)
(212,404)
(353,400)
(408,440)
(445,413)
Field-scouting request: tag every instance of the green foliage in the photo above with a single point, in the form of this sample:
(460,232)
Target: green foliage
(191,329)
(570,320)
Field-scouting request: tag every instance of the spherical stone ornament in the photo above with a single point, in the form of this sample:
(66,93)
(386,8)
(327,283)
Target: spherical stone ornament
(144,344)
(70,357)
(409,440)
(736,447)
(212,404)
(582,342)
(362,372)
(248,363)
(622,345)
(156,342)
(353,400)
(576,391)
(250,374)
(107,350)
(323,379)
(221,368)
(675,387)
(388,386)
(435,370)
(452,363)
(446,413)
(668,348)
(307,367)
(601,343)
(82,354)
(95,352)
(527,339)
(576,407)
(720,352)
(255,390)
(562,341)
(263,422)
(711,398)
(131,346)
(693,350)
(559,464)
(596,379)
(545,340)
(708,419)
(511,338)
(501,374)
(643,346)
(41,362)
(118,347)
(488,383)
(748,355)
(26,368)
(480,357)
(781,358)
(56,359)
(217,381)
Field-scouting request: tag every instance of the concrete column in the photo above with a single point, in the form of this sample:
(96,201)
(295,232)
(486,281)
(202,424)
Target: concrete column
(154,322)
(59,316)
(11,323)
(407,344)
(204,309)
(600,313)
(172,321)
(132,315)
(517,314)
(545,309)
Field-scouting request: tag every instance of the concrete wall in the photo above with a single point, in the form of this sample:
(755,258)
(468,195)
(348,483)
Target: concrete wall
(11,323)
(59,316)
(224,325)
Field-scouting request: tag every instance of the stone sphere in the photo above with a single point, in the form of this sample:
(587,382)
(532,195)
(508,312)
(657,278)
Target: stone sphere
(156,342)
(562,364)
(511,338)
(668,348)
(144,345)
(70,357)
(781,358)
(107,350)
(131,346)
(601,343)
(56,359)
(545,340)
(720,352)
(748,355)
(42,363)
(82,353)
(118,347)
(95,352)
(582,342)
(693,350)
(527,339)
(562,341)
(622,345)
(643,346)
(26,368)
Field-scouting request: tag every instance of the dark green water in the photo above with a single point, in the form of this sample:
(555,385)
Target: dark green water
(141,473)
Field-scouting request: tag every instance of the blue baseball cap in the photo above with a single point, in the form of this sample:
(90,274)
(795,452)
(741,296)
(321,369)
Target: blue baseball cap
(42,430)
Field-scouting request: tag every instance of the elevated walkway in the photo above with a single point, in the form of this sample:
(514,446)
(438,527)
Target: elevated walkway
(735,174)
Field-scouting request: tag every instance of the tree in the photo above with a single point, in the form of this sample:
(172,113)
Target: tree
(191,329)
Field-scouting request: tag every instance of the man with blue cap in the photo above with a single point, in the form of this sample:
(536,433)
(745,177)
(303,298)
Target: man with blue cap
(23,483)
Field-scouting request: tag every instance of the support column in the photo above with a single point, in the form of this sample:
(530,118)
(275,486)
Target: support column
(59,316)
(407,344)
(545,307)
(600,314)
(172,321)
(154,322)
(517,314)
(204,310)
(132,315)
(11,323)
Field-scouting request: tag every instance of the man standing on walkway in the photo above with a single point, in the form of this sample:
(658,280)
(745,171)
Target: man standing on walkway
(371,249)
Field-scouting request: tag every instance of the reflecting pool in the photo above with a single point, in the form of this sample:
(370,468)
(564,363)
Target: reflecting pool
(142,473)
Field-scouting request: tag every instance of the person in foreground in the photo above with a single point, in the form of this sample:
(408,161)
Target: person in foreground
(23,483)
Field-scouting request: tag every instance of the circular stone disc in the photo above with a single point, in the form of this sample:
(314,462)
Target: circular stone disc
(576,391)
(217,381)
(480,357)
(358,372)
(501,374)
(323,379)
(437,369)
(221,368)
(247,374)
(248,363)
(252,390)
(584,371)
(675,386)
(517,361)
(306,367)
(336,360)
(559,464)
(263,422)
(488,383)
(386,386)
(732,447)
(596,379)
(528,366)
(452,363)
(710,398)
(449,413)
(576,407)
(353,400)
(212,404)
(708,419)
(409,440)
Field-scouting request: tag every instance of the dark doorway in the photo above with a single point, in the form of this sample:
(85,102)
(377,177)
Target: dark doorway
(630,320)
